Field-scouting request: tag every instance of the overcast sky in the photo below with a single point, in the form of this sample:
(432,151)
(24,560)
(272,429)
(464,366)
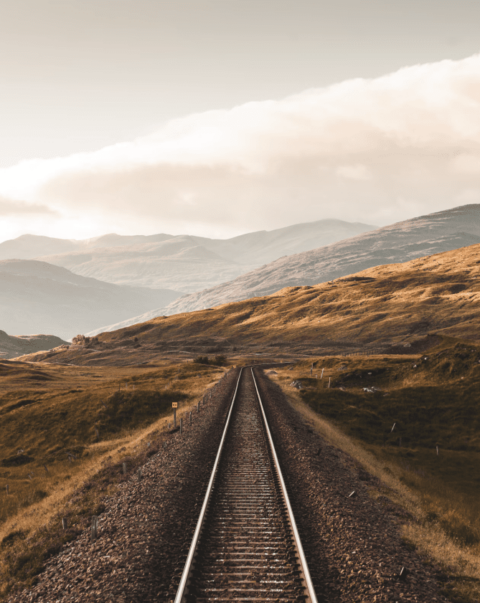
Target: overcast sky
(217,117)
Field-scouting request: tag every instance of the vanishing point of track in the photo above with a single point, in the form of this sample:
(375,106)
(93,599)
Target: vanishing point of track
(246,545)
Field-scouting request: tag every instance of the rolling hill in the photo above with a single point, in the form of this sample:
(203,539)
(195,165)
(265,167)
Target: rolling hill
(36,297)
(391,308)
(426,235)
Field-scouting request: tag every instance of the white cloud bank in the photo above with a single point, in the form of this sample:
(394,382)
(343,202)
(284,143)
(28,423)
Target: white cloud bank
(375,151)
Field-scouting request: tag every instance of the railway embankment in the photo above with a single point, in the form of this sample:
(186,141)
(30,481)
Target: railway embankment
(145,529)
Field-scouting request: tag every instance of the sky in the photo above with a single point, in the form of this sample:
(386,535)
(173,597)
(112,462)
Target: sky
(218,117)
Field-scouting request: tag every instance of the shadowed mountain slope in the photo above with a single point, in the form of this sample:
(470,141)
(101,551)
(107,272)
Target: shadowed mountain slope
(383,308)
(10,347)
(36,297)
(399,242)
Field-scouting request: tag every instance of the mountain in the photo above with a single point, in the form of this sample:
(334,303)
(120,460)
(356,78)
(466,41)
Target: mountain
(178,262)
(11,347)
(395,308)
(36,297)
(399,242)
(184,263)
(30,247)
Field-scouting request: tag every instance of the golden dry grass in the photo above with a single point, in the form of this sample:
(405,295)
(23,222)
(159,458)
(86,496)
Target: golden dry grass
(440,492)
(387,304)
(49,415)
(383,308)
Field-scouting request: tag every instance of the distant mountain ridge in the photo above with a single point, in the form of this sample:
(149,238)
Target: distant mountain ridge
(36,297)
(183,263)
(11,346)
(31,247)
(400,242)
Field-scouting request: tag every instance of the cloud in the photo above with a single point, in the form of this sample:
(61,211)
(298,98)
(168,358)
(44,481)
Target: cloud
(374,150)
(354,172)
(9,207)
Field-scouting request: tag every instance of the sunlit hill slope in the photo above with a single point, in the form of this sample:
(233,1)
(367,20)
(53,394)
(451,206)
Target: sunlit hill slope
(387,307)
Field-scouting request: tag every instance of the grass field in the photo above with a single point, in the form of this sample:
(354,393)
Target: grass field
(433,400)
(64,434)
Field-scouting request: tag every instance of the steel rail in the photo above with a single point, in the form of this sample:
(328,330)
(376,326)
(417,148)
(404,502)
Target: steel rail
(191,553)
(298,543)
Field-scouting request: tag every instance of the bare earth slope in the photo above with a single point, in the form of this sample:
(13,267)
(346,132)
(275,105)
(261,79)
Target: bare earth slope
(384,307)
(188,263)
(36,297)
(10,346)
(399,242)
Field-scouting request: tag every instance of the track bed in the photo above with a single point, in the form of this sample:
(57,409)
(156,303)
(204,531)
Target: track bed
(246,550)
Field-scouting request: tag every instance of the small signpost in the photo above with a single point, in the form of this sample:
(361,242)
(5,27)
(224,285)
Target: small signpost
(94,528)
(174,406)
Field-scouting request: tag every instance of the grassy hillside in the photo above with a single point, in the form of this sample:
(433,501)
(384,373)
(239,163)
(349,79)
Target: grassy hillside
(388,305)
(384,308)
(432,400)
(59,427)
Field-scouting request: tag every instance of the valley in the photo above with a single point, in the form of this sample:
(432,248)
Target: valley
(39,298)
(372,382)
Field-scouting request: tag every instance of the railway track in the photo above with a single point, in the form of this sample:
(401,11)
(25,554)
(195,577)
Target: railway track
(246,546)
